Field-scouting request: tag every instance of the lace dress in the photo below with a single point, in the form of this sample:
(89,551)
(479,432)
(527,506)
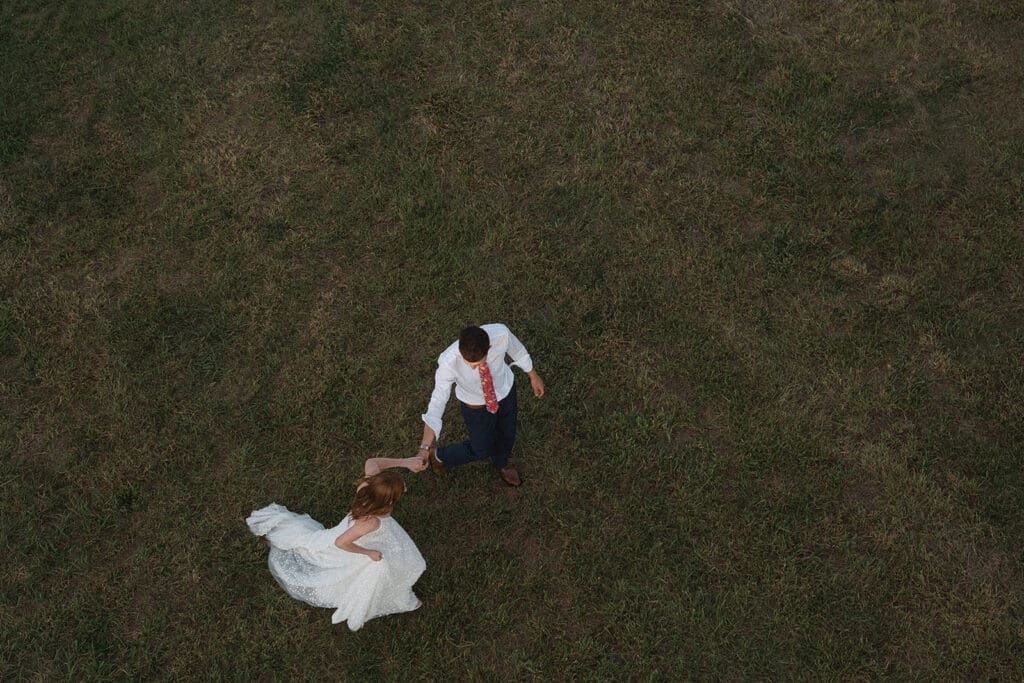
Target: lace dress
(307,564)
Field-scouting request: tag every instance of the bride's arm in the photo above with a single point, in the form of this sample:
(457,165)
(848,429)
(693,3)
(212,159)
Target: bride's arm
(347,541)
(377,465)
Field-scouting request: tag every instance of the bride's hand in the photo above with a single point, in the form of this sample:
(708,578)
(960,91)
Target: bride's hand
(416,463)
(374,555)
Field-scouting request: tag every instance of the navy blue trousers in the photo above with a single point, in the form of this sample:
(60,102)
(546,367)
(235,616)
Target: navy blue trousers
(491,435)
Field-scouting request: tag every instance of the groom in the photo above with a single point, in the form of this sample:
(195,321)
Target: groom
(484,385)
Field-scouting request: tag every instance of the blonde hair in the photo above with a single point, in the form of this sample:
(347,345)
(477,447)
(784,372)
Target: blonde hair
(379,496)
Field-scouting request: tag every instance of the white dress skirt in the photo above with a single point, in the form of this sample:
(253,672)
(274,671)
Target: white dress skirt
(307,564)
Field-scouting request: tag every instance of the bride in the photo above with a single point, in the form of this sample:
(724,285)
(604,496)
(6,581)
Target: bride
(364,567)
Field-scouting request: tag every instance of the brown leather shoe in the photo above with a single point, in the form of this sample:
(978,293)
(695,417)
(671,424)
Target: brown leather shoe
(435,465)
(510,476)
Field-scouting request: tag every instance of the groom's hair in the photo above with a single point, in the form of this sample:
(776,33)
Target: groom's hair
(474,343)
(380,494)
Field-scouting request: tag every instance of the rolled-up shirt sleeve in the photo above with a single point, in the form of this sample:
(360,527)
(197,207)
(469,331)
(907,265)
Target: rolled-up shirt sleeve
(444,378)
(518,353)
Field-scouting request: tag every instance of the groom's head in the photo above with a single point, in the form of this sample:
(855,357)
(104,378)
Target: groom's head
(473,344)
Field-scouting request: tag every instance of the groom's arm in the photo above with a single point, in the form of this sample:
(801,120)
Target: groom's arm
(429,437)
(521,357)
(444,378)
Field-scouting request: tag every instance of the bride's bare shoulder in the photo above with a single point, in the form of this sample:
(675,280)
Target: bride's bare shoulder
(367,524)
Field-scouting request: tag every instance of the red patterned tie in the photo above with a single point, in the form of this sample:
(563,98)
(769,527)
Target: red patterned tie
(488,384)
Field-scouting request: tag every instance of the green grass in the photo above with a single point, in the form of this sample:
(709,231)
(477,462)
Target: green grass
(766,255)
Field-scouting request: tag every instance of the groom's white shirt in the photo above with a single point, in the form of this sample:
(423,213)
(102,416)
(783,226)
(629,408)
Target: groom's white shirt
(451,369)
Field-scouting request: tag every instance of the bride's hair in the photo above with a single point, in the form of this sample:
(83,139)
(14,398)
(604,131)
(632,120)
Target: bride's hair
(380,494)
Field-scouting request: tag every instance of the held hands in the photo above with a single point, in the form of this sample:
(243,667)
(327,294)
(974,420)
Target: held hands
(416,463)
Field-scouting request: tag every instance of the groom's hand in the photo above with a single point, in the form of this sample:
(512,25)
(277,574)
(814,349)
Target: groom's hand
(537,383)
(417,463)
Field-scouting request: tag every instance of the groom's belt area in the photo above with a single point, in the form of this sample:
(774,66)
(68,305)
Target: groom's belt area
(471,407)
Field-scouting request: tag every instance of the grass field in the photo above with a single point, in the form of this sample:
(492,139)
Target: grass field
(767,256)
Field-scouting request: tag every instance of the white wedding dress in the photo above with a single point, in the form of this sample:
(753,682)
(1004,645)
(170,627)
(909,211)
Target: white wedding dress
(307,564)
